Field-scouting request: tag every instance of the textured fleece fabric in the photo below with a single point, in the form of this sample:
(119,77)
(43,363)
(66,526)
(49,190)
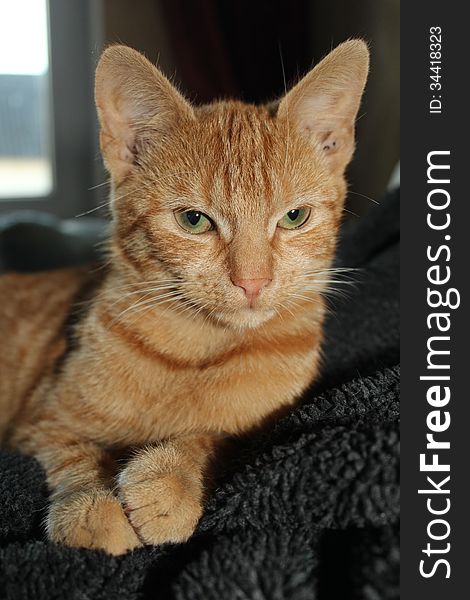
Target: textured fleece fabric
(308,509)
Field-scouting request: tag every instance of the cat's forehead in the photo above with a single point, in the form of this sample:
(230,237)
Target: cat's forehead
(246,156)
(238,161)
(240,152)
(239,131)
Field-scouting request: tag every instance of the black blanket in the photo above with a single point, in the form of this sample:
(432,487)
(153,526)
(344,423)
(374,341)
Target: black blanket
(309,510)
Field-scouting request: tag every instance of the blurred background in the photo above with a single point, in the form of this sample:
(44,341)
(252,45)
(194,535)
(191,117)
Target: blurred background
(49,159)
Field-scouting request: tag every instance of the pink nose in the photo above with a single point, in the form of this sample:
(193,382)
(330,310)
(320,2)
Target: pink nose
(251,287)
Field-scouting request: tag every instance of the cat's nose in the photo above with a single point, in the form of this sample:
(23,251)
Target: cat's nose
(251,287)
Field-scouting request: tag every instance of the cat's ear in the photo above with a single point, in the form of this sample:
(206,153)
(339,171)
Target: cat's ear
(323,105)
(135,103)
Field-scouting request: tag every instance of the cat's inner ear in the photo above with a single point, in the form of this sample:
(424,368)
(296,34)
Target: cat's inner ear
(136,103)
(323,106)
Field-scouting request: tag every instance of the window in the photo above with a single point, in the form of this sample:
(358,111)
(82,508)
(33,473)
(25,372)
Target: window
(25,120)
(48,151)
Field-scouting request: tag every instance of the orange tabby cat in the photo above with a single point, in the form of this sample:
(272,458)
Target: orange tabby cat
(209,316)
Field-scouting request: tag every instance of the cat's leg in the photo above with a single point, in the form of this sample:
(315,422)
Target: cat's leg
(83,511)
(162,488)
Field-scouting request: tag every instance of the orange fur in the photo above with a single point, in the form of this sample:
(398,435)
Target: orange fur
(169,355)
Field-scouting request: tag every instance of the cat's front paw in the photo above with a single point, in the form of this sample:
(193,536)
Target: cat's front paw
(91,520)
(161,492)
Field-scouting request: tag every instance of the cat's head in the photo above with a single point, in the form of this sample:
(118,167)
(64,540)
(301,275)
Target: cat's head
(233,208)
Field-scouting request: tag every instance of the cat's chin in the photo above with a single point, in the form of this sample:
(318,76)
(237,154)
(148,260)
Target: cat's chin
(244,319)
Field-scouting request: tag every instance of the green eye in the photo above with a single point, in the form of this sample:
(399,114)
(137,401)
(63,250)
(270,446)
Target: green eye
(294,218)
(194,221)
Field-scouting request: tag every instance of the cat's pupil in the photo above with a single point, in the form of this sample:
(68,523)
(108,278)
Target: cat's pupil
(293,214)
(193,217)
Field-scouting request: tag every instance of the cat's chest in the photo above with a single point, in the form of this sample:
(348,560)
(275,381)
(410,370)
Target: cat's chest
(143,401)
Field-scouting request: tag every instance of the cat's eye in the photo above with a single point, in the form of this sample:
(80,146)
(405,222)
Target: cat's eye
(194,221)
(294,218)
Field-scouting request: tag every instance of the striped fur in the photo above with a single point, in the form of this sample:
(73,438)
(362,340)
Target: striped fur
(168,358)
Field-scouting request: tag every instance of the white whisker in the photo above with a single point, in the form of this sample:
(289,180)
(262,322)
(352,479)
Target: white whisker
(141,311)
(87,212)
(154,301)
(363,196)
